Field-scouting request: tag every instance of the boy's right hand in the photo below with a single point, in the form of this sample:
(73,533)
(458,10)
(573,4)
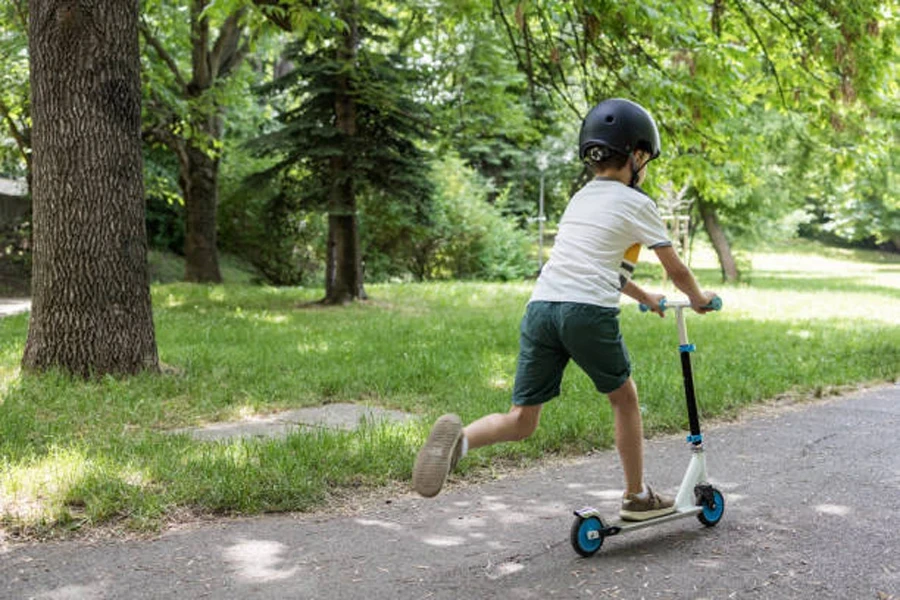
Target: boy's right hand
(700,303)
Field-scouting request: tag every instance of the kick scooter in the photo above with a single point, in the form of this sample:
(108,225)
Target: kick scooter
(695,496)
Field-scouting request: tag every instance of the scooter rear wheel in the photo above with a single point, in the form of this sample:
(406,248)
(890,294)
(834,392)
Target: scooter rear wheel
(587,535)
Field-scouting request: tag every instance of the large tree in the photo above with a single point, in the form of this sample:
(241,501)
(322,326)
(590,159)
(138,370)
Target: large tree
(91,311)
(352,124)
(200,47)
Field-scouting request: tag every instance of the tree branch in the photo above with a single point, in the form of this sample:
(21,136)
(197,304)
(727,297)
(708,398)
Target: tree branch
(749,21)
(797,27)
(164,134)
(498,9)
(22,14)
(163,54)
(580,53)
(227,51)
(199,47)
(527,68)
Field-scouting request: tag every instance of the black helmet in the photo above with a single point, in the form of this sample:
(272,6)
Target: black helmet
(620,125)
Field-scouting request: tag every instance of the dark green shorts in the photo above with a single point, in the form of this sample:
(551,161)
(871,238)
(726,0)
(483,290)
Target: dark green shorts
(554,332)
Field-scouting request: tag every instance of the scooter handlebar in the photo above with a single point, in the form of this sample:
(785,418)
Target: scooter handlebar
(664,304)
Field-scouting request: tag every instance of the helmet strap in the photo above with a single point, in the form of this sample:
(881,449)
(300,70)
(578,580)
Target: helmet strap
(635,171)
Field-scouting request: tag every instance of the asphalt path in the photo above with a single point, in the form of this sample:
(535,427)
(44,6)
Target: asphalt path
(812,512)
(14,306)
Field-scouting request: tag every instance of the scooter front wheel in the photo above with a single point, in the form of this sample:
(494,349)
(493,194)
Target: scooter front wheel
(713,504)
(587,535)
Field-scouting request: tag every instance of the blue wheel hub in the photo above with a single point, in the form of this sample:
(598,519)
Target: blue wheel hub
(589,537)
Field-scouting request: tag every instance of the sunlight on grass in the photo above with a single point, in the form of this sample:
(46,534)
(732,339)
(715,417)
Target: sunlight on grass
(38,488)
(313,347)
(497,371)
(843,264)
(9,377)
(217,294)
(274,319)
(787,306)
(173,301)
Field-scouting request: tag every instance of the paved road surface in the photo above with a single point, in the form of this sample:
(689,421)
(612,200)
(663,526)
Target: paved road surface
(813,512)
(12,306)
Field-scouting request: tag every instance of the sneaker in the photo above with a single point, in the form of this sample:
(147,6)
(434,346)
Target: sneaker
(642,509)
(438,456)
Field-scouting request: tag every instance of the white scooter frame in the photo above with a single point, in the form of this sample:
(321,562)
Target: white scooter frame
(695,495)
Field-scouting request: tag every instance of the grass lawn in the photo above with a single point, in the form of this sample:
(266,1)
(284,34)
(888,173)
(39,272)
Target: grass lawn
(74,455)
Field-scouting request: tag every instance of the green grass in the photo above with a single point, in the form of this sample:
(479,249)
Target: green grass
(79,454)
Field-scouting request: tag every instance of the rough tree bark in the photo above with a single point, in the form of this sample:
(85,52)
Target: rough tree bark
(719,240)
(91,311)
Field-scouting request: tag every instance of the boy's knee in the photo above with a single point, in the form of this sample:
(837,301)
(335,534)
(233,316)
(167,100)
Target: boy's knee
(526,420)
(625,396)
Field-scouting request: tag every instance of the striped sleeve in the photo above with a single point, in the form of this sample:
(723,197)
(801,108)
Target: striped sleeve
(626,268)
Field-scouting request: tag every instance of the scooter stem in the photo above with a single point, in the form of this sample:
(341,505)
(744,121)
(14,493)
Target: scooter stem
(685,348)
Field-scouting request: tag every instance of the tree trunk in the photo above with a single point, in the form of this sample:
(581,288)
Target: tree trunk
(719,240)
(344,282)
(199,186)
(344,274)
(200,169)
(91,312)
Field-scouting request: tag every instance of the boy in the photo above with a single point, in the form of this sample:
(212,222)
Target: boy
(573,310)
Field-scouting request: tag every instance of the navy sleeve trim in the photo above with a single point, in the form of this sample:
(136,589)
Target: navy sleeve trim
(660,245)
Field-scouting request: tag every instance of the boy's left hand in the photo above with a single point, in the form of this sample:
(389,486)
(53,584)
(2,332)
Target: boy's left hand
(652,301)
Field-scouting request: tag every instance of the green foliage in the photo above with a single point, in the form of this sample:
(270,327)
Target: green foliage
(286,246)
(165,206)
(376,155)
(482,101)
(15,114)
(383,150)
(466,237)
(260,221)
(852,193)
(719,78)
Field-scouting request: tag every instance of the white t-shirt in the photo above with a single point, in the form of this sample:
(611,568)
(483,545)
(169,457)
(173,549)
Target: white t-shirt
(588,263)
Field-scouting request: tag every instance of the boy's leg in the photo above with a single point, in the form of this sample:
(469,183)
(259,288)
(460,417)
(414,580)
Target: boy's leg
(539,370)
(629,435)
(516,425)
(639,502)
(447,440)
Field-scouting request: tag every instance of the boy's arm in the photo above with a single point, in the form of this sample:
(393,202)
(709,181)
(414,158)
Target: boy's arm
(683,278)
(638,293)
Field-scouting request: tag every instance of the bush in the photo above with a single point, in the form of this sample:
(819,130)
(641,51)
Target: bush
(470,238)
(163,200)
(457,234)
(285,245)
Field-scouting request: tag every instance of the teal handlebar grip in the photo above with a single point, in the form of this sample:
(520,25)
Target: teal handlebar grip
(715,304)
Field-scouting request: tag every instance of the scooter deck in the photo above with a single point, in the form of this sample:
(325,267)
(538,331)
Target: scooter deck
(623,526)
